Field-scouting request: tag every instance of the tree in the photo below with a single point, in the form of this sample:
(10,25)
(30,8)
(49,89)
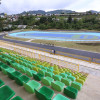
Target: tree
(43,20)
(42,26)
(50,19)
(1,24)
(69,19)
(89,12)
(75,21)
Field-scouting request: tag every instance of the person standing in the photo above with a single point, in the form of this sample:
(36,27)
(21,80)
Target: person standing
(53,51)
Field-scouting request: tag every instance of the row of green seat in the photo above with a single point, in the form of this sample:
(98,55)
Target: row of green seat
(48,74)
(31,85)
(81,80)
(66,81)
(6,93)
(56,77)
(31,59)
(39,62)
(58,84)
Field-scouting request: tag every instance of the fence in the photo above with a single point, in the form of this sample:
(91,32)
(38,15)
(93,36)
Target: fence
(41,56)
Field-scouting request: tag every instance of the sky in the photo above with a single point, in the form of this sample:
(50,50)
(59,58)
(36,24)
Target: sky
(18,6)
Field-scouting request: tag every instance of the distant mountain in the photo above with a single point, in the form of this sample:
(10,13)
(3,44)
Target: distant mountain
(49,12)
(60,12)
(34,12)
(53,12)
(2,14)
(93,11)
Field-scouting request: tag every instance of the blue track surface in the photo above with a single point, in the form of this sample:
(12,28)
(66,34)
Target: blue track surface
(60,36)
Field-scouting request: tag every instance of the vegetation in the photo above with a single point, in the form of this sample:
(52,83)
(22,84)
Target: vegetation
(53,22)
(87,22)
(94,47)
(1,24)
(15,38)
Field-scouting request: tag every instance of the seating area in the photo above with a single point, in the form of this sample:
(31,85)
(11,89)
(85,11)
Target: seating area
(6,93)
(32,73)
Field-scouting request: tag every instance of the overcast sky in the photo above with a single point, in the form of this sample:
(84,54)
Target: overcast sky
(18,6)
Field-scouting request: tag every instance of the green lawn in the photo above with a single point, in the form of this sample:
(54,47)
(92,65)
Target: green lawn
(15,38)
(82,46)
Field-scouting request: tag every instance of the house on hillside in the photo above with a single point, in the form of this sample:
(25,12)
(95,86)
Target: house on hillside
(22,26)
(2,16)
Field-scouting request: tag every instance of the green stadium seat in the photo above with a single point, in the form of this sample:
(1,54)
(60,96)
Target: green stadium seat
(17,98)
(72,78)
(25,64)
(80,81)
(49,74)
(42,71)
(30,73)
(57,85)
(38,76)
(17,66)
(10,70)
(1,64)
(57,77)
(60,97)
(63,75)
(44,93)
(49,70)
(23,69)
(83,78)
(31,85)
(1,83)
(75,76)
(68,73)
(47,80)
(4,59)
(13,65)
(20,80)
(4,68)
(45,68)
(13,75)
(36,69)
(0,50)
(66,81)
(56,72)
(30,66)
(40,66)
(6,93)
(71,92)
(9,62)
(76,85)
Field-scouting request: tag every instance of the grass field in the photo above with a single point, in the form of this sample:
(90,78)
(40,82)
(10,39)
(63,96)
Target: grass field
(95,47)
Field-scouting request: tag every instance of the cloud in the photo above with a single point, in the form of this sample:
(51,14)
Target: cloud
(18,6)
